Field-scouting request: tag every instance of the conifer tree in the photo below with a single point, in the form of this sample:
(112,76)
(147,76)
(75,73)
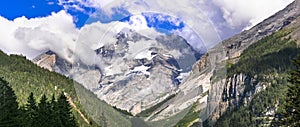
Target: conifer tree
(8,105)
(31,112)
(65,115)
(54,112)
(44,113)
(292,106)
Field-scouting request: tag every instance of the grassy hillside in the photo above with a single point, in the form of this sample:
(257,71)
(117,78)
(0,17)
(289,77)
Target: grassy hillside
(25,77)
(267,61)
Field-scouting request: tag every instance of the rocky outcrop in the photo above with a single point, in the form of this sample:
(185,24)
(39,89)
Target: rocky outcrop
(134,73)
(46,60)
(209,73)
(148,76)
(233,93)
(234,87)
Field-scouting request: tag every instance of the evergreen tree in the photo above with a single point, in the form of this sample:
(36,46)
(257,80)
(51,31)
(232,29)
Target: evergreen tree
(53,101)
(44,113)
(8,105)
(292,105)
(31,112)
(54,114)
(65,116)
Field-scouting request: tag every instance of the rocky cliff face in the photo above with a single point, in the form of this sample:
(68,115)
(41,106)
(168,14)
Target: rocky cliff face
(46,60)
(235,86)
(135,72)
(138,86)
(212,65)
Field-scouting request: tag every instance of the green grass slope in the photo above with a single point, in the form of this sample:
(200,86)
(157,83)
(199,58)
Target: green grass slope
(25,77)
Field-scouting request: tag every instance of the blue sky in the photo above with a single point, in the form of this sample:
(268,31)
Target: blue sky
(233,21)
(40,8)
(28,8)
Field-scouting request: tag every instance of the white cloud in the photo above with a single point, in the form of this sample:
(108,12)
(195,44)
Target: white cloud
(97,34)
(186,10)
(237,14)
(138,22)
(57,32)
(193,39)
(247,13)
(31,36)
(97,4)
(50,3)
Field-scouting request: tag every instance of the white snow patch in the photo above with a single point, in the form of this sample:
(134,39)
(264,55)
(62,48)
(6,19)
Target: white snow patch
(108,71)
(182,76)
(145,55)
(142,69)
(167,55)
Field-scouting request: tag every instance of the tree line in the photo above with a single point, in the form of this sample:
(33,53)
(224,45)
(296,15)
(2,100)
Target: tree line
(268,60)
(54,112)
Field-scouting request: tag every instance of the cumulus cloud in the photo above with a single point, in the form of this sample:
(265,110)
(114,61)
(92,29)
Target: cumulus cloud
(193,39)
(204,21)
(97,34)
(31,36)
(243,12)
(212,20)
(58,33)
(186,10)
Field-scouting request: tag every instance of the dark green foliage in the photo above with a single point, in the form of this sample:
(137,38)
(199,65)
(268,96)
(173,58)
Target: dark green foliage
(253,114)
(291,113)
(238,118)
(270,54)
(102,113)
(269,61)
(189,117)
(64,114)
(8,105)
(31,112)
(45,113)
(25,77)
(150,110)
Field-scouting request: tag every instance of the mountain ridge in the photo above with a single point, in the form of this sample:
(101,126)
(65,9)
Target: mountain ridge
(135,71)
(204,87)
(215,60)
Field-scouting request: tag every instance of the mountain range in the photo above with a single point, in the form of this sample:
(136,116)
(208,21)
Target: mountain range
(163,81)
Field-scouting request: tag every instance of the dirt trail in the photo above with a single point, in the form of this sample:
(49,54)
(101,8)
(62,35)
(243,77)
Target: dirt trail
(76,109)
